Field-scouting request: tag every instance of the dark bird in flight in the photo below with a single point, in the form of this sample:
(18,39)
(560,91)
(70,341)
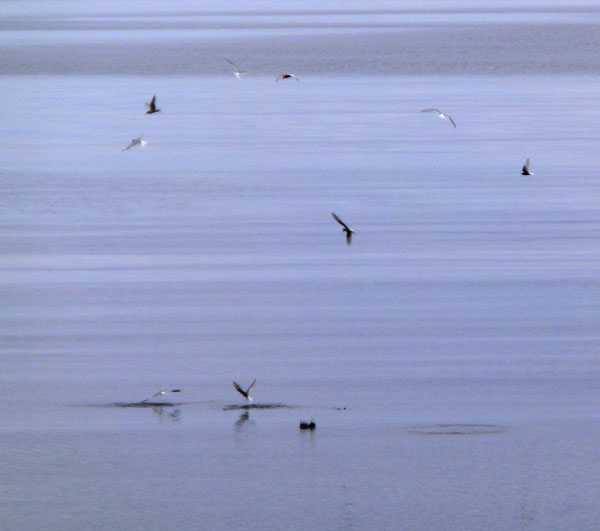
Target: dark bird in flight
(163,393)
(246,393)
(152,106)
(349,232)
(236,71)
(285,76)
(441,115)
(525,170)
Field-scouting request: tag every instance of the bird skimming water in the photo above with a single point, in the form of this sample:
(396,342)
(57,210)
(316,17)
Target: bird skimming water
(162,393)
(349,232)
(441,115)
(152,106)
(246,393)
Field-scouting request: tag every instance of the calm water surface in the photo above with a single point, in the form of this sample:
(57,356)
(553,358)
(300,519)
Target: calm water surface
(449,356)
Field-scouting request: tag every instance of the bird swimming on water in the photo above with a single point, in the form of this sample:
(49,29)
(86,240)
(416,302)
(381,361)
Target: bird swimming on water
(135,142)
(305,425)
(163,393)
(442,115)
(349,232)
(236,71)
(285,76)
(525,170)
(152,106)
(245,393)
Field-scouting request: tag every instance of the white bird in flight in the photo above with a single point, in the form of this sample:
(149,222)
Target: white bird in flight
(162,393)
(441,115)
(135,142)
(349,232)
(285,76)
(245,393)
(236,71)
(525,170)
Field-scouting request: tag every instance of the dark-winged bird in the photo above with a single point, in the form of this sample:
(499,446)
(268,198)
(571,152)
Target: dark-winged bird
(285,76)
(525,170)
(246,393)
(152,106)
(349,232)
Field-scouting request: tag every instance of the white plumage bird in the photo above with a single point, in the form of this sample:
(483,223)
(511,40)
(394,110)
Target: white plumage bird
(441,115)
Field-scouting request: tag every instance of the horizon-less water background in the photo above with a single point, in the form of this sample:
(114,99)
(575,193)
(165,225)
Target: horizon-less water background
(449,356)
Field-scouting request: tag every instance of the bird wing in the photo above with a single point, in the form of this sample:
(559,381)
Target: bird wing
(451,120)
(348,237)
(153,101)
(526,167)
(431,110)
(157,394)
(251,385)
(340,222)
(240,390)
(280,76)
(232,64)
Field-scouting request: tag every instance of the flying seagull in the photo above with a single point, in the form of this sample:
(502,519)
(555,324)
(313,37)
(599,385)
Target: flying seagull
(285,76)
(152,106)
(245,393)
(236,71)
(135,142)
(525,170)
(349,232)
(441,115)
(163,393)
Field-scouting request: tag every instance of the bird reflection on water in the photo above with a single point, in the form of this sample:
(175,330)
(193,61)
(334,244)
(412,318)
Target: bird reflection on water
(174,415)
(243,418)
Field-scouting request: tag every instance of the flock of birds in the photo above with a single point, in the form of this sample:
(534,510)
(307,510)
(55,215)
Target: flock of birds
(239,73)
(244,392)
(304,424)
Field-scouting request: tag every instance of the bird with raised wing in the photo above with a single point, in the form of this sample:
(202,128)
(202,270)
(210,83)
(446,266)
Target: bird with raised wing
(236,71)
(135,142)
(152,106)
(349,232)
(285,76)
(441,115)
(162,393)
(245,393)
(525,170)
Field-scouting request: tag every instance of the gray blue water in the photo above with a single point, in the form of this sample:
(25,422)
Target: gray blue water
(449,356)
